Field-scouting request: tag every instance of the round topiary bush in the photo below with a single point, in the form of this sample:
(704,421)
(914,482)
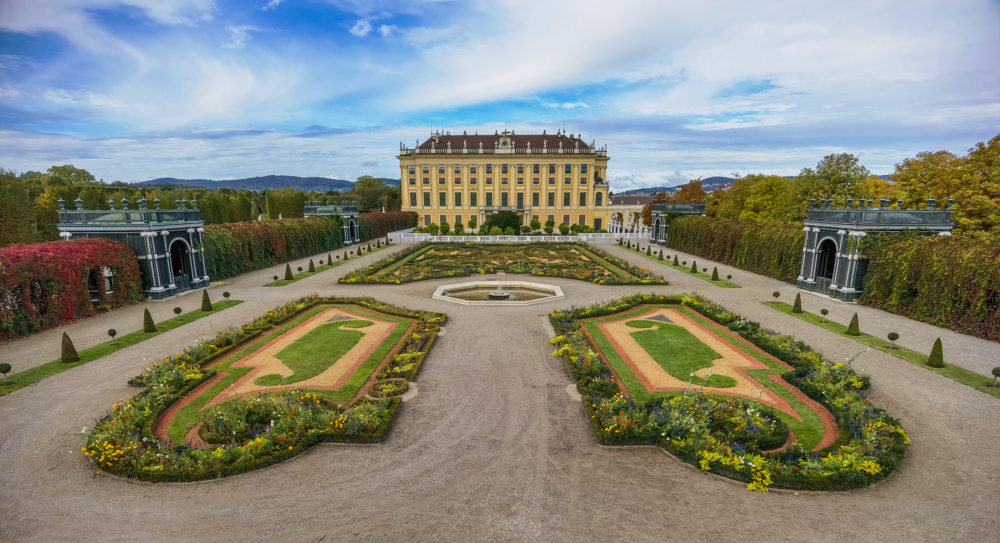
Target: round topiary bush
(112,332)
(177,311)
(275,277)
(300,269)
(5,369)
(893,336)
(776,295)
(226,295)
(825,312)
(996,374)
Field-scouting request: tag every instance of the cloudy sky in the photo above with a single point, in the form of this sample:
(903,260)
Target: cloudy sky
(138,89)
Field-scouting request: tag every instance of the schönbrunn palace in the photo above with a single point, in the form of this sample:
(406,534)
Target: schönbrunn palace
(543,176)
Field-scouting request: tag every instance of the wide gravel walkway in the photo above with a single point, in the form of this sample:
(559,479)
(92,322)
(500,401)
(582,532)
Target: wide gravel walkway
(494,448)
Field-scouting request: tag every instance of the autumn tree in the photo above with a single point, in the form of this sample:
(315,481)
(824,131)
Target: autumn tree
(17,215)
(690,191)
(647,210)
(838,176)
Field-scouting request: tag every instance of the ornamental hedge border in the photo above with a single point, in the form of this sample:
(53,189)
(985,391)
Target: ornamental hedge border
(374,272)
(45,284)
(870,446)
(770,249)
(237,248)
(947,281)
(123,443)
(378,225)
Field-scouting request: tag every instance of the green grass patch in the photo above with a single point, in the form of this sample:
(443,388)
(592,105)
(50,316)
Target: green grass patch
(604,263)
(724,283)
(318,347)
(323,268)
(680,354)
(313,353)
(951,371)
(36,374)
(401,262)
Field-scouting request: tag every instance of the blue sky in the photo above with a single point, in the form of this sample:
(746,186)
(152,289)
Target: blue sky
(137,89)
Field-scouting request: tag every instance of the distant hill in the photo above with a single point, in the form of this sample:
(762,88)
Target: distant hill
(708,185)
(272,182)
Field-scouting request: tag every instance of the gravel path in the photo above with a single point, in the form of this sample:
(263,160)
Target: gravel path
(495,449)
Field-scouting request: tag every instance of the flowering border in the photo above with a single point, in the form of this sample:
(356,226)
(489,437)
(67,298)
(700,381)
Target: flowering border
(870,446)
(122,442)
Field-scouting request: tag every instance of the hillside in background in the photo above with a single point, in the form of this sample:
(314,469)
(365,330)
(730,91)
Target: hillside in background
(272,182)
(708,185)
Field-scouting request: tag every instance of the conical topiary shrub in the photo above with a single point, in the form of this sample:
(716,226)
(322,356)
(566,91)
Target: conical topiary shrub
(797,308)
(936,359)
(715,273)
(206,302)
(288,272)
(148,325)
(853,329)
(312,267)
(648,252)
(345,255)
(378,244)
(329,259)
(628,244)
(661,255)
(68,350)
(694,266)
(675,261)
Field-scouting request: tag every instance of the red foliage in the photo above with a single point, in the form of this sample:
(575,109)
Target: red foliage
(45,284)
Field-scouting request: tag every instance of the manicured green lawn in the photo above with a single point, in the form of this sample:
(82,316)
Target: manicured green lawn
(687,269)
(33,375)
(313,353)
(324,267)
(956,373)
(191,414)
(679,353)
(808,431)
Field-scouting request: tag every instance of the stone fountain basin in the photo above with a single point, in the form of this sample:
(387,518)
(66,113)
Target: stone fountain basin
(547,292)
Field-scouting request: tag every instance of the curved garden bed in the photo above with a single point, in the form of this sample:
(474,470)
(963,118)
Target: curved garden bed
(254,427)
(733,435)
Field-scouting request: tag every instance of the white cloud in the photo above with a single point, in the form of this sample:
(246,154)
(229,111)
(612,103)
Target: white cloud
(238,37)
(361,28)
(271,5)
(387,30)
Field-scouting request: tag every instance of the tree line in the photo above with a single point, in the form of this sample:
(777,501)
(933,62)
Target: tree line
(30,201)
(973,180)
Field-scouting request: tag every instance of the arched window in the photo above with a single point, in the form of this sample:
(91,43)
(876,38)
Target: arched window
(827,259)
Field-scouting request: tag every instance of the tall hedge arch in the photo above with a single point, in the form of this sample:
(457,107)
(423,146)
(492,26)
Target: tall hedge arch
(236,248)
(770,249)
(377,225)
(46,284)
(949,281)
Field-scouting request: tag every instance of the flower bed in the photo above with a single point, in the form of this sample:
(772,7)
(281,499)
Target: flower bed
(731,436)
(571,261)
(46,284)
(123,442)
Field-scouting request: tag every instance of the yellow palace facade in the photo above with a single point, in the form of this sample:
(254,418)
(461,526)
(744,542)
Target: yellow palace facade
(543,176)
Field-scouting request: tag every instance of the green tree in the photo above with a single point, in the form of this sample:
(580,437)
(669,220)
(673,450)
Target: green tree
(768,200)
(564,229)
(445,229)
(536,224)
(837,176)
(17,214)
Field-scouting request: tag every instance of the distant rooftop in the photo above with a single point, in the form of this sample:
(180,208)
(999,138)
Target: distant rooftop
(506,142)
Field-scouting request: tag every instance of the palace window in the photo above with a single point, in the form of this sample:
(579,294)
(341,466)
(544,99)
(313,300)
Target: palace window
(441,180)
(503,168)
(552,168)
(472,169)
(534,169)
(520,180)
(552,180)
(413,180)
(458,180)
(412,169)
(583,220)
(569,168)
(443,199)
(427,168)
(566,220)
(427,220)
(599,199)
(489,199)
(583,180)
(441,168)
(566,199)
(568,180)
(444,219)
(534,199)
(534,180)
(413,199)
(458,168)
(473,199)
(489,180)
(472,180)
(489,168)
(583,199)
(552,199)
(520,199)
(520,168)
(583,168)
(504,199)
(458,199)
(503,180)
(427,180)
(458,220)
(427,200)
(551,218)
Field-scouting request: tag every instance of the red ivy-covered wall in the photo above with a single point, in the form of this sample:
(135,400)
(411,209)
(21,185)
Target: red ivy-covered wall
(45,284)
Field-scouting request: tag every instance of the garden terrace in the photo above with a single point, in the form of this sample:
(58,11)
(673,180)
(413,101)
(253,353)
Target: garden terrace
(312,370)
(723,393)
(573,261)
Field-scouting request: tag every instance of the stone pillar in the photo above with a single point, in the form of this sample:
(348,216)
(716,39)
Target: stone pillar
(166,254)
(194,264)
(837,267)
(201,243)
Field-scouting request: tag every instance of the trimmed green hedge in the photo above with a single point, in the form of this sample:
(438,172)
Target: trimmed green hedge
(237,248)
(770,249)
(948,281)
(377,225)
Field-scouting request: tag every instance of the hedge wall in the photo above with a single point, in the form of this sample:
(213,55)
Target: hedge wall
(944,280)
(45,284)
(770,249)
(236,248)
(377,225)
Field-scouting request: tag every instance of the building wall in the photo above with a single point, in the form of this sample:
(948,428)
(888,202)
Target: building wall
(489,187)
